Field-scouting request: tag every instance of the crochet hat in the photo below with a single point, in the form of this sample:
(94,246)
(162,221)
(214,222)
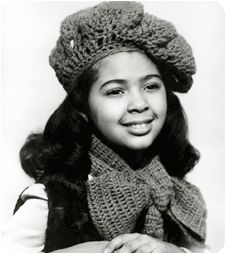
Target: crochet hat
(94,33)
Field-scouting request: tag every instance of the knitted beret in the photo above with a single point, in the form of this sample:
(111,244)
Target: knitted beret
(109,27)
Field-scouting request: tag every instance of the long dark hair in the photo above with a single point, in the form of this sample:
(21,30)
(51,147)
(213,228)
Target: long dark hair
(63,146)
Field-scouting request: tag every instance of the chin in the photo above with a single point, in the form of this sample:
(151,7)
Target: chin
(139,143)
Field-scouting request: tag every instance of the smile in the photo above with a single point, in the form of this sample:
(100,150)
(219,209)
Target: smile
(139,128)
(139,125)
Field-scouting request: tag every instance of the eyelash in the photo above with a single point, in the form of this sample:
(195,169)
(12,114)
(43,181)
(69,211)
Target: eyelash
(152,86)
(114,92)
(118,91)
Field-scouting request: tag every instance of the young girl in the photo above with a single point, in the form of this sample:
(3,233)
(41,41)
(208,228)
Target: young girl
(110,164)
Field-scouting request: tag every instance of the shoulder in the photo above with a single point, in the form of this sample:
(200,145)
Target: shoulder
(35,191)
(25,231)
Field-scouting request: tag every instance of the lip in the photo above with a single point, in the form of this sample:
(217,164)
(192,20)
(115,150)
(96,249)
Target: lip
(139,128)
(147,121)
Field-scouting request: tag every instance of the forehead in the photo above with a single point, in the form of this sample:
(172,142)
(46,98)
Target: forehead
(126,65)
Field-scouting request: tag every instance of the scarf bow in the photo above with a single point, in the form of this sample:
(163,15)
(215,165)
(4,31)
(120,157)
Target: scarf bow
(118,196)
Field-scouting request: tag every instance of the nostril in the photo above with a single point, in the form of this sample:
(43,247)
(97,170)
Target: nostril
(137,106)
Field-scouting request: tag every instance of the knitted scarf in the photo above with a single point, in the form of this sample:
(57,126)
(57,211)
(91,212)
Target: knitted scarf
(118,196)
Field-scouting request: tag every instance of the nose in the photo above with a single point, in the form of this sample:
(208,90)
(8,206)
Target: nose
(137,103)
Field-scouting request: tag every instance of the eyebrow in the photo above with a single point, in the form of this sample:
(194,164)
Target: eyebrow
(150,76)
(119,81)
(122,81)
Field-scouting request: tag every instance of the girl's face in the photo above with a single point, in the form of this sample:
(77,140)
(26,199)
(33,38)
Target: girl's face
(127,103)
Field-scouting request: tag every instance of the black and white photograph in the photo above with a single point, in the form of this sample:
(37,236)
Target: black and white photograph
(113,126)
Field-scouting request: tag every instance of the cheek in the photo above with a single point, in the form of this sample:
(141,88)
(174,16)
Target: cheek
(104,111)
(159,106)
(163,108)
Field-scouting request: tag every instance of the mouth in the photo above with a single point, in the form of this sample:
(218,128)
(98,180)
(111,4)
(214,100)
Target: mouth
(139,128)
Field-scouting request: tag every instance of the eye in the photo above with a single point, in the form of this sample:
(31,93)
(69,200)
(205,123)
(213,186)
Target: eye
(114,92)
(152,86)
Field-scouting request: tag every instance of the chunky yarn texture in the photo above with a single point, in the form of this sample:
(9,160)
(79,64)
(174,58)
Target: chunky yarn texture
(118,195)
(110,27)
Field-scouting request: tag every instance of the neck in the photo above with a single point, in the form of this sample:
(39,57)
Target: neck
(136,159)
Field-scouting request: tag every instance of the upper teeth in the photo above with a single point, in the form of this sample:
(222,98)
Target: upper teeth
(139,125)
